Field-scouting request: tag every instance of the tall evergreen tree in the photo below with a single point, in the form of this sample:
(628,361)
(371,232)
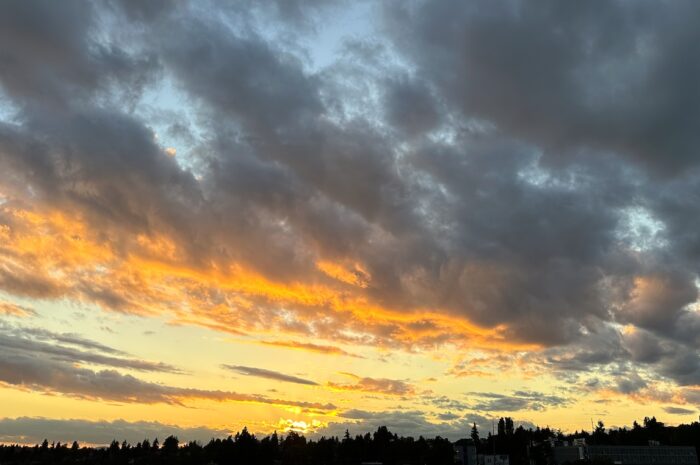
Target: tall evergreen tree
(475,434)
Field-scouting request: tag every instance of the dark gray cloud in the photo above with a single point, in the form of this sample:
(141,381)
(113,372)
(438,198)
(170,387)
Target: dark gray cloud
(619,354)
(411,107)
(516,401)
(52,58)
(447,416)
(616,76)
(30,430)
(679,411)
(683,366)
(445,402)
(20,345)
(35,343)
(631,383)
(268,374)
(245,77)
(659,301)
(145,11)
(644,347)
(63,338)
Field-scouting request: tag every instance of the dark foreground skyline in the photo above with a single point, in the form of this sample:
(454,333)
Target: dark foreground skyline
(522,446)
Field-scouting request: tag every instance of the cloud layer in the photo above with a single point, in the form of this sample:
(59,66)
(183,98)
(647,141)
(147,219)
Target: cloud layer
(33,430)
(505,178)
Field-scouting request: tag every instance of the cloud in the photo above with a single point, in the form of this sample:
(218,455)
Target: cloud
(517,401)
(683,366)
(52,64)
(447,416)
(631,384)
(411,107)
(36,374)
(656,301)
(27,362)
(567,97)
(268,374)
(319,348)
(33,430)
(444,402)
(399,198)
(618,354)
(385,386)
(10,309)
(643,346)
(35,343)
(679,411)
(335,185)
(228,71)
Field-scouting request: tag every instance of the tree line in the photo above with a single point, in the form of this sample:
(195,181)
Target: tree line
(523,446)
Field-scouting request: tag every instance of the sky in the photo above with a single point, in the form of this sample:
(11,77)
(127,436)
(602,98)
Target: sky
(317,215)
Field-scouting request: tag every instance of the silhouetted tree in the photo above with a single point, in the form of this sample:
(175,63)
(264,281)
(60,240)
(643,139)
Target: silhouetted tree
(475,434)
(501,428)
(599,435)
(509,426)
(170,445)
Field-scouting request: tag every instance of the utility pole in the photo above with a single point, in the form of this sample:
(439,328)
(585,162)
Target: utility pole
(493,435)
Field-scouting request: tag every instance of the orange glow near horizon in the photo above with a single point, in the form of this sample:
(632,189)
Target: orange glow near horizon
(149,277)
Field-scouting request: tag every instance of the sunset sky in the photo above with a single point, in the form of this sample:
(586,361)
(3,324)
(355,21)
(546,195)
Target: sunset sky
(319,215)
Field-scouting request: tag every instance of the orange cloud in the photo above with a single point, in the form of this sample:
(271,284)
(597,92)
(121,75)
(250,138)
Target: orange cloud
(354,275)
(322,349)
(53,254)
(7,308)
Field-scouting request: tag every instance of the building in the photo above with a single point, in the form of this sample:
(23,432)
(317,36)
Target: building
(492,460)
(644,455)
(568,454)
(626,455)
(465,454)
